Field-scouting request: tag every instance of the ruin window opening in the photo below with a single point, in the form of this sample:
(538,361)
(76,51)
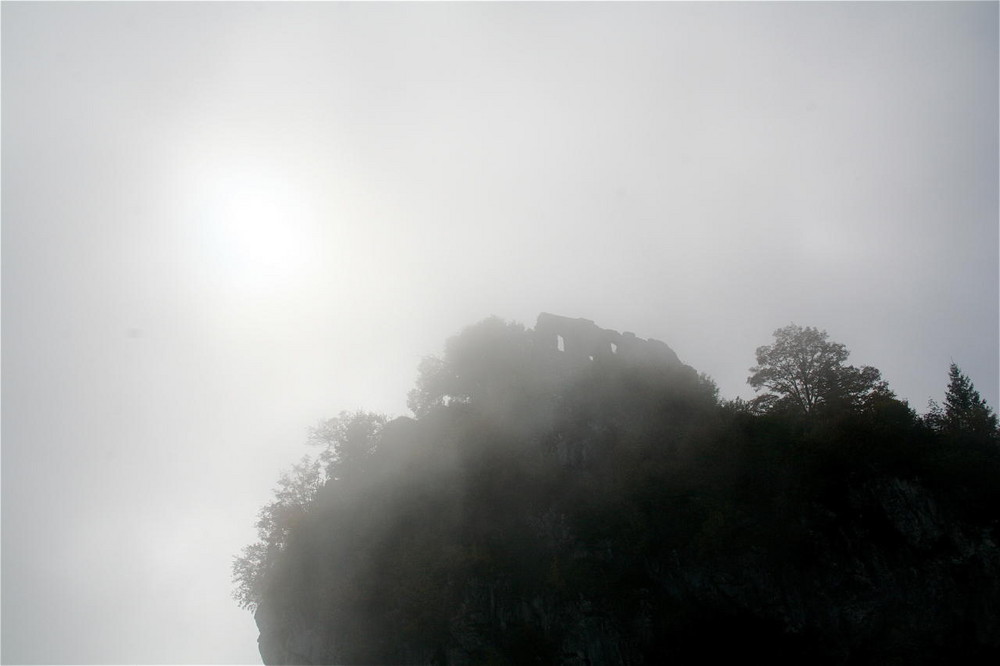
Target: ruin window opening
(614,348)
(560,343)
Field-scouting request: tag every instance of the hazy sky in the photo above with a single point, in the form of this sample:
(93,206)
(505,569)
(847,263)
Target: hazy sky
(222,223)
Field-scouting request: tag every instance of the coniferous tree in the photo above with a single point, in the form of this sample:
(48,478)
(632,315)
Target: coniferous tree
(964,409)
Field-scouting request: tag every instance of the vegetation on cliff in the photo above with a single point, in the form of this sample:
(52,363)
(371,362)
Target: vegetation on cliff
(558,509)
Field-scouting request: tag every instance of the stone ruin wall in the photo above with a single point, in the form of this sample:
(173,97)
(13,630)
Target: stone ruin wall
(582,340)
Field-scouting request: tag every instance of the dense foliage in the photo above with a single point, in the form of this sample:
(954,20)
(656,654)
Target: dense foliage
(803,371)
(610,513)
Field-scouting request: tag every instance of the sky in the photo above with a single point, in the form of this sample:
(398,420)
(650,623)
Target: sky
(222,223)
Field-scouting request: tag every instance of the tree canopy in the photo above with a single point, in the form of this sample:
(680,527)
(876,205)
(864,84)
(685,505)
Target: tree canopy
(349,441)
(804,371)
(484,362)
(964,410)
(293,498)
(540,511)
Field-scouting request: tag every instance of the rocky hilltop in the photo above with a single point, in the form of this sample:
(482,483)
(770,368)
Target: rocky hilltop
(572,495)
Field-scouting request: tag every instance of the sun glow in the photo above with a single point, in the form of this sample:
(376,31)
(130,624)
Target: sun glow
(256,232)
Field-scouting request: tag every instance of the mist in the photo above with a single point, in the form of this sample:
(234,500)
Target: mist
(224,224)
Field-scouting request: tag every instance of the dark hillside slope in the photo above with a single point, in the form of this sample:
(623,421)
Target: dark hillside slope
(569,495)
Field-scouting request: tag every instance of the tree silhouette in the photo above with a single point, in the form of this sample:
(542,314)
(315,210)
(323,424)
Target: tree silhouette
(484,364)
(349,439)
(293,498)
(803,371)
(964,410)
(536,511)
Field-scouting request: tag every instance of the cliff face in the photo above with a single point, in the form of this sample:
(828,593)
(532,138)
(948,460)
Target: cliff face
(622,516)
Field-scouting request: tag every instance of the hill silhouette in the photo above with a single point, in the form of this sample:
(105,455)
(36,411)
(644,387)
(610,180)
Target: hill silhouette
(571,495)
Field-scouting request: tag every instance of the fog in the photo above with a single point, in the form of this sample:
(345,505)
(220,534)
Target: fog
(222,223)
